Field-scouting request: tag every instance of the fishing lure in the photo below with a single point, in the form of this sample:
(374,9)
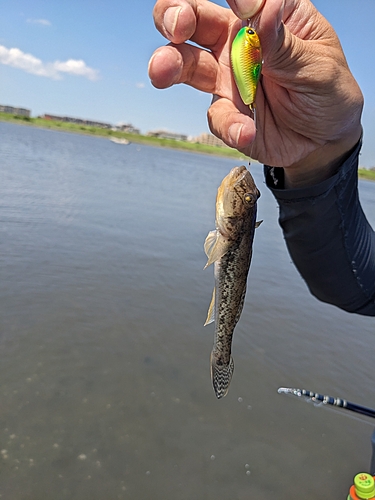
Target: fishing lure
(246,59)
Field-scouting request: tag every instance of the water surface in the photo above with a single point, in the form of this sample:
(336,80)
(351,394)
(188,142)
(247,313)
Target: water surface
(104,375)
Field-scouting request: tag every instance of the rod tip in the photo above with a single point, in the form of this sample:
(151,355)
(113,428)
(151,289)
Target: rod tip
(284,390)
(289,390)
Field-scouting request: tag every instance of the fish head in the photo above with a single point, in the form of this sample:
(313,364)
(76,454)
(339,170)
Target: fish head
(236,199)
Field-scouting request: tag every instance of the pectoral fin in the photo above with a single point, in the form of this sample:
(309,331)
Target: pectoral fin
(211,310)
(210,242)
(215,247)
(258,223)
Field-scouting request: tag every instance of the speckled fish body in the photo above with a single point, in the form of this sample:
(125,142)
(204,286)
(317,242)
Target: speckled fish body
(229,247)
(246,59)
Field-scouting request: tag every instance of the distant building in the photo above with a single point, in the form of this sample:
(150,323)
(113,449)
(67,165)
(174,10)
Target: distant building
(209,140)
(164,134)
(127,127)
(78,121)
(15,111)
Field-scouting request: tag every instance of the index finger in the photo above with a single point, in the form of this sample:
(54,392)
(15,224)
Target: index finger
(200,21)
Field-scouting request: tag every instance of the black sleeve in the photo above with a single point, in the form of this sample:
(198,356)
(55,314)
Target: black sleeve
(329,238)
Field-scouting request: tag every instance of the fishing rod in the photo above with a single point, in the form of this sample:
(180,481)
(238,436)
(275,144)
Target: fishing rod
(328,400)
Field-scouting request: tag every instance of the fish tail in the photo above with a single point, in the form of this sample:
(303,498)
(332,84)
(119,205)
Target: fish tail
(221,375)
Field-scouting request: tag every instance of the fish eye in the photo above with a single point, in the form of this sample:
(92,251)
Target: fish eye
(250,31)
(249,198)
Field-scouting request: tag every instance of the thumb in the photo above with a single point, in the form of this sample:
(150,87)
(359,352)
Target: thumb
(233,127)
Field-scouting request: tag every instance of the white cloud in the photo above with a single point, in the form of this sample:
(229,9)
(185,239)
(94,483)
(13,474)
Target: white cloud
(27,62)
(140,85)
(76,67)
(43,22)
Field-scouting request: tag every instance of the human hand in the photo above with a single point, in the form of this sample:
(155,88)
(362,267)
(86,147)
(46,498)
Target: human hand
(308,103)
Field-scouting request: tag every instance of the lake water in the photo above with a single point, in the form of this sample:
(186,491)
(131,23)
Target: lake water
(105,391)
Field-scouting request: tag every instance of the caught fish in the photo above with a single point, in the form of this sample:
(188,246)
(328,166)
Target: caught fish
(246,59)
(229,247)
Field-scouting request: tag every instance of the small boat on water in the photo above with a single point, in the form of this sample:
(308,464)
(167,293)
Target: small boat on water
(117,140)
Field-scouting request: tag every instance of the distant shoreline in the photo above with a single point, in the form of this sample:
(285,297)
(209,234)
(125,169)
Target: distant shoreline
(141,139)
(136,138)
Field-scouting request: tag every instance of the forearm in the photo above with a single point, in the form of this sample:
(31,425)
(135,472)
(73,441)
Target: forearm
(329,238)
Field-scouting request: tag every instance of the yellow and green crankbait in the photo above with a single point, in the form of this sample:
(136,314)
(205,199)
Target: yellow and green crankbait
(246,58)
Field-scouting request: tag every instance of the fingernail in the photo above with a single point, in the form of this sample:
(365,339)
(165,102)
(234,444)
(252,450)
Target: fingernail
(234,132)
(170,20)
(244,10)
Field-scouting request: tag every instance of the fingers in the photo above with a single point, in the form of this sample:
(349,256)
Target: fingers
(236,129)
(170,65)
(176,20)
(184,64)
(165,67)
(198,20)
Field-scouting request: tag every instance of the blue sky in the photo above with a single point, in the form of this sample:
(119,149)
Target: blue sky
(89,59)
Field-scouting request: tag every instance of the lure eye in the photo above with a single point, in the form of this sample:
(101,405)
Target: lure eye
(250,31)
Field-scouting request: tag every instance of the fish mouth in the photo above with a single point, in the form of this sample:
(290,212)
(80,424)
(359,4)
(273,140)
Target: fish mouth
(237,174)
(239,177)
(237,171)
